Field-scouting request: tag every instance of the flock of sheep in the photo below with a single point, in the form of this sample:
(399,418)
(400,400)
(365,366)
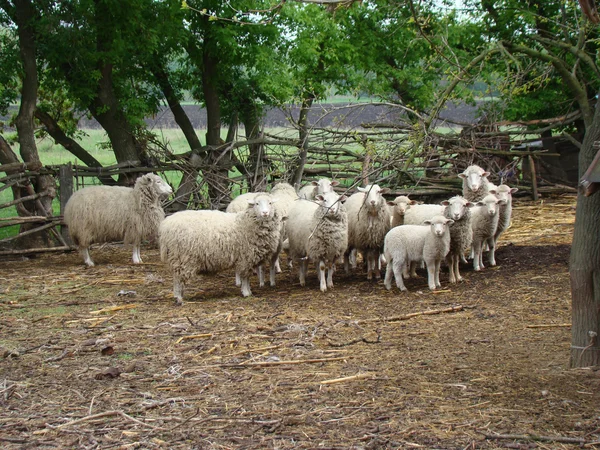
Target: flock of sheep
(315,225)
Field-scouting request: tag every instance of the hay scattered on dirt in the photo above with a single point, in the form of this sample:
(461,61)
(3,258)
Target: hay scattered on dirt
(101,358)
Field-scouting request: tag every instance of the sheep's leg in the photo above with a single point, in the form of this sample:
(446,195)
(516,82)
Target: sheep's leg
(477,266)
(322,276)
(330,272)
(451,274)
(377,264)
(277,265)
(302,266)
(178,287)
(406,270)
(246,292)
(137,258)
(238,279)
(353,258)
(347,262)
(413,270)
(273,268)
(438,266)
(492,252)
(261,275)
(431,275)
(85,253)
(398,267)
(368,255)
(463,259)
(388,274)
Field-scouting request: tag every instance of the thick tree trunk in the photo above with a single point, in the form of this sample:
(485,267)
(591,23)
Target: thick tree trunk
(585,264)
(257,161)
(303,134)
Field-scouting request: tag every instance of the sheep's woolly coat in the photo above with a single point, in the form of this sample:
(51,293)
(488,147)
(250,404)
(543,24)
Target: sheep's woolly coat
(318,233)
(504,192)
(367,227)
(484,225)
(406,244)
(196,242)
(98,214)
(461,233)
(483,188)
(418,214)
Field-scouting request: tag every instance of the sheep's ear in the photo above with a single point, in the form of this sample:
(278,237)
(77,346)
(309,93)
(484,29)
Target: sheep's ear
(469,204)
(462,175)
(342,199)
(251,202)
(274,200)
(314,183)
(360,189)
(427,222)
(391,203)
(493,191)
(413,202)
(384,191)
(502,202)
(479,204)
(335,183)
(320,197)
(513,190)
(445,203)
(485,174)
(450,222)
(284,218)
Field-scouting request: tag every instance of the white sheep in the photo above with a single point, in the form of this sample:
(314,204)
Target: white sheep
(484,223)
(323,185)
(475,184)
(398,208)
(461,235)
(285,196)
(504,192)
(406,244)
(418,214)
(196,242)
(368,223)
(318,231)
(99,214)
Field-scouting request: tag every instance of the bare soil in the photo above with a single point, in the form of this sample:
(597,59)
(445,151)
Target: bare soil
(101,358)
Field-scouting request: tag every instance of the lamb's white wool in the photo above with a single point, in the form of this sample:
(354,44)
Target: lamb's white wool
(196,242)
(461,234)
(484,224)
(322,186)
(504,192)
(398,208)
(98,214)
(318,231)
(418,214)
(368,223)
(406,244)
(475,183)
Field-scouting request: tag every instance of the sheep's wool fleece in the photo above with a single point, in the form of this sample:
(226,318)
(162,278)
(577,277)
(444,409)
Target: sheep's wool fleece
(480,193)
(99,214)
(193,242)
(461,233)
(314,234)
(366,233)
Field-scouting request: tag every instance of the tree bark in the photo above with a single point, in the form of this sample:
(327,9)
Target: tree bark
(303,134)
(584,267)
(257,161)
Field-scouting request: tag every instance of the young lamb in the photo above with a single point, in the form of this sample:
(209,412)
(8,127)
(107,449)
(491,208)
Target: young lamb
(414,243)
(504,192)
(99,214)
(196,242)
(420,213)
(475,184)
(398,208)
(310,191)
(484,224)
(368,223)
(461,235)
(285,196)
(318,231)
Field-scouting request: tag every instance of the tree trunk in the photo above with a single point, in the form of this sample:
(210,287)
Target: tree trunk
(24,19)
(303,134)
(257,161)
(584,268)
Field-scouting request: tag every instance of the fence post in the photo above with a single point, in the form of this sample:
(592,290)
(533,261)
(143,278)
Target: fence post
(66,190)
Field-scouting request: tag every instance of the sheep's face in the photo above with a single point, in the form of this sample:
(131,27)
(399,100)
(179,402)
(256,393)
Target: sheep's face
(490,202)
(331,202)
(374,200)
(457,207)
(504,192)
(439,225)
(401,204)
(262,206)
(157,184)
(474,176)
(324,185)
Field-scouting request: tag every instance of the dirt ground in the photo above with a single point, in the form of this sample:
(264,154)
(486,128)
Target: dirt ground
(100,358)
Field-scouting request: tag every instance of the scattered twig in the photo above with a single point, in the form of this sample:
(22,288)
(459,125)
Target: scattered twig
(533,437)
(358,376)
(411,315)
(283,363)
(106,414)
(549,325)
(194,336)
(115,308)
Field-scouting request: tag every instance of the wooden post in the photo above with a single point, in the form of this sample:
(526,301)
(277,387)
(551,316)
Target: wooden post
(534,187)
(66,190)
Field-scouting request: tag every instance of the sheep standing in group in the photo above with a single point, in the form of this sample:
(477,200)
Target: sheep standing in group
(197,242)
(504,192)
(398,208)
(284,195)
(368,223)
(310,191)
(318,231)
(99,214)
(475,184)
(484,223)
(406,244)
(461,234)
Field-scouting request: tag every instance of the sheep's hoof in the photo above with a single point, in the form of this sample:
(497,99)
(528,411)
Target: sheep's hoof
(388,287)
(178,302)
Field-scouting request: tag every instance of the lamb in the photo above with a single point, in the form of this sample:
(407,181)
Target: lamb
(398,208)
(196,242)
(99,214)
(405,244)
(368,223)
(420,213)
(285,196)
(484,223)
(318,231)
(504,192)
(475,184)
(310,191)
(461,235)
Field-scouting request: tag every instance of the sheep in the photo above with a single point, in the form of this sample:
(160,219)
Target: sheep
(461,234)
(196,242)
(405,244)
(310,191)
(99,214)
(504,192)
(475,184)
(398,208)
(285,194)
(484,223)
(368,223)
(420,213)
(318,231)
